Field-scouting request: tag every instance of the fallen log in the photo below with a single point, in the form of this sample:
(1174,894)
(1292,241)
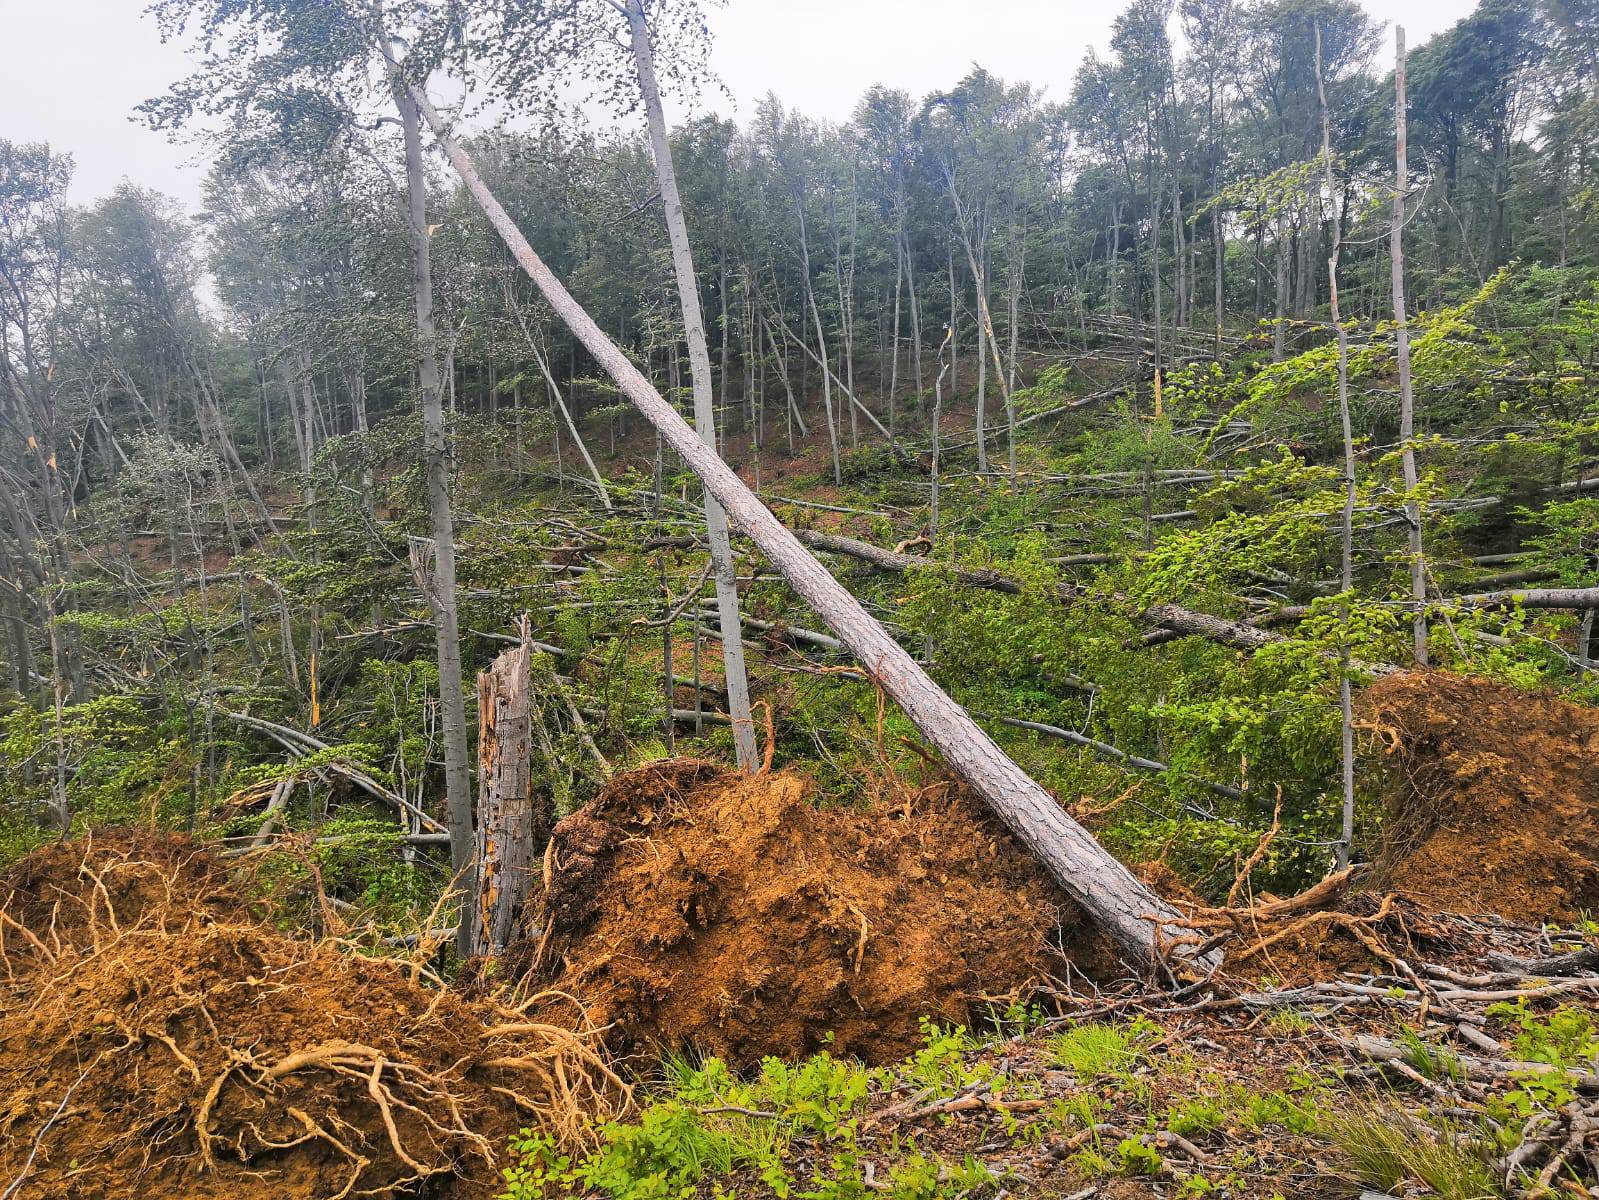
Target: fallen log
(1126,909)
(300,743)
(900,563)
(1117,754)
(1175,620)
(1560,598)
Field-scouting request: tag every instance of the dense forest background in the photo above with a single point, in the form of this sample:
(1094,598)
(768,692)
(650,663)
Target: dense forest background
(1055,385)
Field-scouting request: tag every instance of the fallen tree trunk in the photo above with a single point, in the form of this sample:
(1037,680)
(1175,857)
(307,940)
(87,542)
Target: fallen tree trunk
(1556,599)
(299,743)
(1560,598)
(1129,912)
(900,563)
(1175,621)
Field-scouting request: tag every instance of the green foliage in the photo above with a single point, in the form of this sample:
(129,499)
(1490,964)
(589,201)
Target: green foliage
(1099,1048)
(124,760)
(1566,1040)
(1386,1148)
(706,1125)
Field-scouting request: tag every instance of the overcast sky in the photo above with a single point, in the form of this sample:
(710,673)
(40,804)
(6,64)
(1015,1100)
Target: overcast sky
(72,70)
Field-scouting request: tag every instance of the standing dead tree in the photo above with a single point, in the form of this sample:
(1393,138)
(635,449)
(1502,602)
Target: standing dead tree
(1129,912)
(440,583)
(510,825)
(1346,703)
(699,365)
(1407,395)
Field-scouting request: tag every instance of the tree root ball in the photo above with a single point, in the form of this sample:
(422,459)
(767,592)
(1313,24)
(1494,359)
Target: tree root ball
(156,1040)
(693,908)
(1493,799)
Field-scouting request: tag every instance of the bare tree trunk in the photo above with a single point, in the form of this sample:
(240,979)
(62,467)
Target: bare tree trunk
(928,647)
(1407,397)
(821,343)
(954,329)
(796,417)
(1280,325)
(893,372)
(985,337)
(981,419)
(510,826)
(441,589)
(1346,703)
(1113,263)
(1154,252)
(1128,911)
(1218,233)
(560,404)
(844,283)
(916,318)
(1017,272)
(699,361)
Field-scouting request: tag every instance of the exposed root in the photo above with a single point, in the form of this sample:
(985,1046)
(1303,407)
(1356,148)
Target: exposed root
(225,1025)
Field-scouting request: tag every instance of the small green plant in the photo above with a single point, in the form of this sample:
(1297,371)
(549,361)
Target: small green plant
(1290,1022)
(1565,1040)
(1100,1048)
(1383,1147)
(927,1177)
(1198,1115)
(1137,1157)
(1430,1061)
(940,1066)
(1296,1114)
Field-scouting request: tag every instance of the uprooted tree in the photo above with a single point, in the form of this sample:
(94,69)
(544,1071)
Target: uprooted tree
(1127,910)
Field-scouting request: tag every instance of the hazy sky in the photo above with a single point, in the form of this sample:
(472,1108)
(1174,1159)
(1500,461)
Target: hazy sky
(74,69)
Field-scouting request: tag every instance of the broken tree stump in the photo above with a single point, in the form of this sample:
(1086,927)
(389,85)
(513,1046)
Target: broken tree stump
(511,824)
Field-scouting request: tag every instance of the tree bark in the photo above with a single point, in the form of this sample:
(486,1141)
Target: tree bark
(511,826)
(821,341)
(1127,910)
(699,363)
(441,589)
(560,404)
(1346,704)
(1407,398)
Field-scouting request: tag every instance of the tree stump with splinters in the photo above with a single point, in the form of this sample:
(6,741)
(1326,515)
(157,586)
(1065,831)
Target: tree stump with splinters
(511,824)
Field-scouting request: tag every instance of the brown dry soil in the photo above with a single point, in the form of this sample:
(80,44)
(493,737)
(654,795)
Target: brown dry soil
(692,907)
(1494,799)
(157,1040)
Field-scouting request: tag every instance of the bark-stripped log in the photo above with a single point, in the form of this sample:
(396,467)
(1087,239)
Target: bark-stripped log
(1124,907)
(510,826)
(1568,598)
(1175,620)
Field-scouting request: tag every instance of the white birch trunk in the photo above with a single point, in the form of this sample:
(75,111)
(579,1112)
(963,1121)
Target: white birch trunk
(1124,907)
(699,362)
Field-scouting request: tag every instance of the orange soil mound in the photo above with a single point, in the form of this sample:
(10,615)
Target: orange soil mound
(157,1041)
(1495,806)
(690,907)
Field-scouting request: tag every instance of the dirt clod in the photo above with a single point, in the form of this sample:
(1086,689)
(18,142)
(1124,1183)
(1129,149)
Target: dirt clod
(1495,800)
(691,907)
